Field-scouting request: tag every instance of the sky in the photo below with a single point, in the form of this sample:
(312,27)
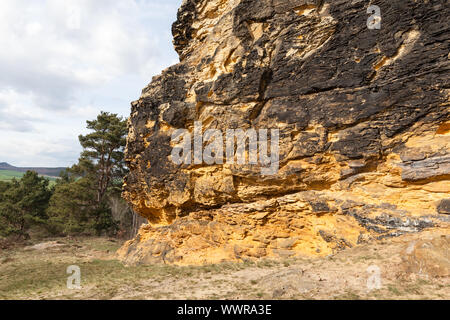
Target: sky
(64,61)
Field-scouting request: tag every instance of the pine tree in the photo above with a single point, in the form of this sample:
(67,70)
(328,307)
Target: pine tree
(103,151)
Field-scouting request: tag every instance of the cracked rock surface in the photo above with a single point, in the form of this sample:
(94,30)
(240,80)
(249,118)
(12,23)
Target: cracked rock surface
(363,116)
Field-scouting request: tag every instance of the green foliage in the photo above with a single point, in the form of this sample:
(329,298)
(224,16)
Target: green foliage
(71,206)
(104,221)
(3,187)
(23,203)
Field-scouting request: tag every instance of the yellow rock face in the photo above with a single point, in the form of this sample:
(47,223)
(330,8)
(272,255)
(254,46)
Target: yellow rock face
(363,117)
(338,214)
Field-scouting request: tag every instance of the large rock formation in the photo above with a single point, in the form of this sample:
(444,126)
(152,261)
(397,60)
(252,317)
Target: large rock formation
(364,129)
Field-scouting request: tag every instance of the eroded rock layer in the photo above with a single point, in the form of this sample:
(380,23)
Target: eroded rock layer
(363,116)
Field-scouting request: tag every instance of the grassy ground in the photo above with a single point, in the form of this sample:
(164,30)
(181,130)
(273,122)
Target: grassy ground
(8,175)
(27,273)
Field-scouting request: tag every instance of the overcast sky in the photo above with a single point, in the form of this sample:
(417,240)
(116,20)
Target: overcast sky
(63,61)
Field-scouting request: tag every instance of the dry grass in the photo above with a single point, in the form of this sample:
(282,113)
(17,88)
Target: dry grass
(41,274)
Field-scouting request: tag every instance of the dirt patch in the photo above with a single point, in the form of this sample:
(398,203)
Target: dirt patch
(45,245)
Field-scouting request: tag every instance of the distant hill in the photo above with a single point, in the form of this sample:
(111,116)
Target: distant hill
(5,166)
(49,172)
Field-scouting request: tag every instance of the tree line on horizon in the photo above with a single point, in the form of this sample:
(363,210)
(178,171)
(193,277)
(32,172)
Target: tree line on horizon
(86,199)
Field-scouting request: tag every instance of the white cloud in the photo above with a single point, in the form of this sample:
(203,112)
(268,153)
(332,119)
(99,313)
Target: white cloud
(18,111)
(63,61)
(72,44)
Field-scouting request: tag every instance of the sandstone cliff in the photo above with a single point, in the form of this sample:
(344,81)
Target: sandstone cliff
(363,118)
